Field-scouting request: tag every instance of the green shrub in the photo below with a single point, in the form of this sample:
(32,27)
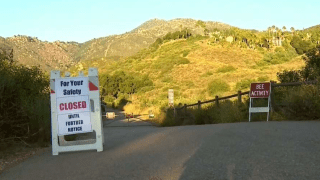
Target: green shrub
(289,76)
(302,103)
(300,45)
(227,112)
(185,53)
(166,64)
(279,56)
(263,78)
(244,84)
(208,73)
(25,103)
(218,86)
(225,69)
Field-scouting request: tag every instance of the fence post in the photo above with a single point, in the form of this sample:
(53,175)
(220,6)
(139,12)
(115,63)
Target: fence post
(199,105)
(185,108)
(239,97)
(217,101)
(272,102)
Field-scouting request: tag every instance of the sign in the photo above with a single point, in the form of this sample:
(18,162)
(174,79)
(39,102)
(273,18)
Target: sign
(74,123)
(259,90)
(75,86)
(75,108)
(73,100)
(170,97)
(110,115)
(73,104)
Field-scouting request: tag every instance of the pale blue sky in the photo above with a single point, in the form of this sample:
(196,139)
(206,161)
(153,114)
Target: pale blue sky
(82,20)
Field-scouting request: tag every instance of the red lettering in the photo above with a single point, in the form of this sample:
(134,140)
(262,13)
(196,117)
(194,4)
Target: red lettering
(61,107)
(72,105)
(66,106)
(75,106)
(79,105)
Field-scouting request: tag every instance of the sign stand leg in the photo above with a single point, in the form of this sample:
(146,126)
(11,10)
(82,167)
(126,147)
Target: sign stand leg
(249,110)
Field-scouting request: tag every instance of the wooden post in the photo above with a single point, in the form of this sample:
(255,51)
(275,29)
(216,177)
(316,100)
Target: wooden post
(217,101)
(239,97)
(199,105)
(185,108)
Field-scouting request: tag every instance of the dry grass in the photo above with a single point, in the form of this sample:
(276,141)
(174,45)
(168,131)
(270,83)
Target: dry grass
(190,81)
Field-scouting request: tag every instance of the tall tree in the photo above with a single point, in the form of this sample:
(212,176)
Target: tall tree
(273,28)
(284,28)
(292,30)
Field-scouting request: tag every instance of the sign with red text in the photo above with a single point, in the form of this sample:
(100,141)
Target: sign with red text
(72,100)
(73,104)
(259,90)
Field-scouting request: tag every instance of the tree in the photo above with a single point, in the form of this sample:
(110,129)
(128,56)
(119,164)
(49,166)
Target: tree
(273,28)
(202,25)
(310,72)
(284,28)
(292,30)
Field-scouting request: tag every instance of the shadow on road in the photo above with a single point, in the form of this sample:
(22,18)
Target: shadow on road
(262,150)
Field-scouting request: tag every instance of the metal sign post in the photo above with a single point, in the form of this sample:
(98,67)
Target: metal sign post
(75,108)
(171,99)
(259,90)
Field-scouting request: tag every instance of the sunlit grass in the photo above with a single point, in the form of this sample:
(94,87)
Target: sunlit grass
(188,67)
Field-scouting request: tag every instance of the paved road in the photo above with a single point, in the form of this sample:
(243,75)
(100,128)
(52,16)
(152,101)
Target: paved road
(256,150)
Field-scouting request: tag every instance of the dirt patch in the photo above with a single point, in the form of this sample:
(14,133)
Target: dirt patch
(17,153)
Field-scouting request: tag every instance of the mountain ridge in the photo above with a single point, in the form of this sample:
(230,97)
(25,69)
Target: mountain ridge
(30,51)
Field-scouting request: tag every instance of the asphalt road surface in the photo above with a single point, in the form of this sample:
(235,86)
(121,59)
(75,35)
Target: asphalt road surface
(138,150)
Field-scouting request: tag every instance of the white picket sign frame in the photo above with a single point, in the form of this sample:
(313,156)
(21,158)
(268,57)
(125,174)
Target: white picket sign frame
(58,142)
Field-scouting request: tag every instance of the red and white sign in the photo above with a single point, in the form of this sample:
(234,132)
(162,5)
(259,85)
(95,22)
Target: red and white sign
(259,90)
(73,99)
(73,104)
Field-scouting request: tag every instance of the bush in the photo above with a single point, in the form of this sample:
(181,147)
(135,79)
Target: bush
(302,103)
(244,84)
(263,78)
(166,64)
(225,69)
(227,112)
(185,53)
(218,86)
(310,72)
(279,56)
(289,76)
(300,45)
(25,103)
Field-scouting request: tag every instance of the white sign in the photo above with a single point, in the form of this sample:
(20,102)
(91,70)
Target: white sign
(170,96)
(73,101)
(74,123)
(75,86)
(73,104)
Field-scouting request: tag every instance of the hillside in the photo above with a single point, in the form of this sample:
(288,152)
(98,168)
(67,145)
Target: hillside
(60,55)
(31,51)
(114,47)
(192,67)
